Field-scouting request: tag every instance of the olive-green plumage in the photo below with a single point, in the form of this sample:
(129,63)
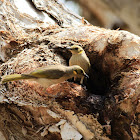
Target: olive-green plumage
(80,58)
(49,75)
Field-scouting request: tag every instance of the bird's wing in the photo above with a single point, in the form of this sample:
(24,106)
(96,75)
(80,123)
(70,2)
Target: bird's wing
(48,72)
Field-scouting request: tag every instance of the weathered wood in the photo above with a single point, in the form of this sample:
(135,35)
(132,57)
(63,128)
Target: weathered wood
(67,110)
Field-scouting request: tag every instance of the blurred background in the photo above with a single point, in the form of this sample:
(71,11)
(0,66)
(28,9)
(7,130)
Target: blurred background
(111,14)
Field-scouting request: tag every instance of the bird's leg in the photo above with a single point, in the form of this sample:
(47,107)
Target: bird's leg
(75,78)
(82,79)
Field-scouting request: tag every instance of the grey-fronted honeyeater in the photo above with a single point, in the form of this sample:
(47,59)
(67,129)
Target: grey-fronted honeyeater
(48,75)
(80,58)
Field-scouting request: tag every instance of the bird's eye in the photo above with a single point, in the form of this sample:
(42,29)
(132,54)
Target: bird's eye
(76,48)
(81,71)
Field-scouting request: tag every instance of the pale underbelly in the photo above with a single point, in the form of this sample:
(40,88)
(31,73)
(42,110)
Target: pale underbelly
(84,65)
(48,82)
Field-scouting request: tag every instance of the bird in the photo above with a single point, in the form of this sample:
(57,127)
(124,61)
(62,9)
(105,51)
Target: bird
(80,58)
(48,75)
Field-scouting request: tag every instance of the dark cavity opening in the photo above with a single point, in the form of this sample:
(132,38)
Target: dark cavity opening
(98,82)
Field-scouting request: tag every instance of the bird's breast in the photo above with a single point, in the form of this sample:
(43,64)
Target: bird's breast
(81,60)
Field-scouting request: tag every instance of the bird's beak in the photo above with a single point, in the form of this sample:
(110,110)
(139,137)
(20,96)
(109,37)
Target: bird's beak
(68,48)
(86,75)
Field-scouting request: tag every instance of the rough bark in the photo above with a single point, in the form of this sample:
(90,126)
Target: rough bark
(108,108)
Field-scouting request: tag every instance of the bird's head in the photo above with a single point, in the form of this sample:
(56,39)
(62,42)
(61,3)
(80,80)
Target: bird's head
(77,70)
(75,49)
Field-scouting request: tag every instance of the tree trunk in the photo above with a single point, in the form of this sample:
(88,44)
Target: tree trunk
(114,14)
(107,108)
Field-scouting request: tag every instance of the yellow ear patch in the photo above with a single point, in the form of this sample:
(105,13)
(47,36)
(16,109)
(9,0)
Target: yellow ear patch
(80,52)
(74,72)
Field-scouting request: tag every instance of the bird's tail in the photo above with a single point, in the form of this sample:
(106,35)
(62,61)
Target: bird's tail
(14,77)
